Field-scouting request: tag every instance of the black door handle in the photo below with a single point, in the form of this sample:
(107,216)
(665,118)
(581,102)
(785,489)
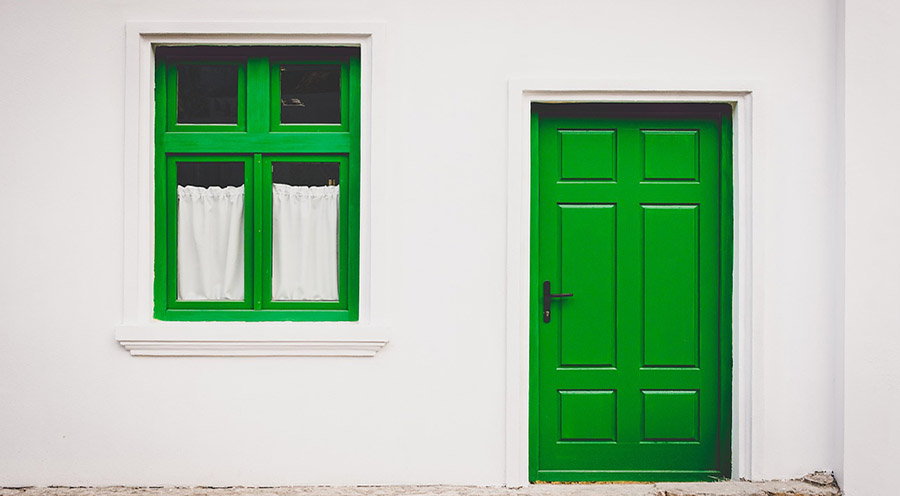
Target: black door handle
(549,296)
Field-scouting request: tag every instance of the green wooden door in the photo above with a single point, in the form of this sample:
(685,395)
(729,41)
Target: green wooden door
(632,215)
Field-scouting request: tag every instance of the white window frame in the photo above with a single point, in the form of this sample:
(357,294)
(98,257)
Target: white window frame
(142,335)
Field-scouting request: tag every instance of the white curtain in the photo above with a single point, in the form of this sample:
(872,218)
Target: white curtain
(304,242)
(210,243)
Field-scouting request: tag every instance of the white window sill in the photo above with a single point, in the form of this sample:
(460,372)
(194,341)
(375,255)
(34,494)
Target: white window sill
(252,339)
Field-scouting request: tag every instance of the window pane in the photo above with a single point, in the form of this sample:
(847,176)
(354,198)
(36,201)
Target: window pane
(210,232)
(207,94)
(305,214)
(310,94)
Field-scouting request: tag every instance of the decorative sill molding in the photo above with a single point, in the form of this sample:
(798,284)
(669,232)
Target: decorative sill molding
(223,340)
(254,348)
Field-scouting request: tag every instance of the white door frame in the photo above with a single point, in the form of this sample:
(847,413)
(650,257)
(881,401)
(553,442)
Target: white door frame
(522,93)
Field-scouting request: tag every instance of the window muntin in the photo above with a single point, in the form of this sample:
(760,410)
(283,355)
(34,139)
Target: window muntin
(323,151)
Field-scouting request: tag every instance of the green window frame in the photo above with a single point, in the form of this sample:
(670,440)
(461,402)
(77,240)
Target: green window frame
(256,140)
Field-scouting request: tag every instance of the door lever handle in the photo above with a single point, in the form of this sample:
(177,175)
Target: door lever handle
(548,296)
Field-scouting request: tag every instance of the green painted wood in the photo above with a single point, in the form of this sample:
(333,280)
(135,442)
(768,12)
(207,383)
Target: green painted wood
(535,290)
(251,315)
(631,476)
(261,209)
(591,415)
(630,379)
(726,268)
(670,415)
(258,97)
(671,155)
(255,141)
(588,154)
(670,297)
(160,232)
(320,142)
(355,180)
(587,228)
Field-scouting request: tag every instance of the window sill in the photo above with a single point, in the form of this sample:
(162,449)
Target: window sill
(252,339)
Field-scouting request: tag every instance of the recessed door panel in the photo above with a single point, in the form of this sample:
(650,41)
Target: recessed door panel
(671,285)
(670,416)
(587,249)
(588,154)
(671,155)
(587,415)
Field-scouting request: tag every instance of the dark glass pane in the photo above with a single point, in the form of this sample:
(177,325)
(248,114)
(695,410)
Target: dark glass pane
(206,174)
(306,173)
(207,94)
(310,94)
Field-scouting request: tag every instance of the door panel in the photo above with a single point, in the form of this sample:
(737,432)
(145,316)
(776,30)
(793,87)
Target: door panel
(588,154)
(588,268)
(629,380)
(671,285)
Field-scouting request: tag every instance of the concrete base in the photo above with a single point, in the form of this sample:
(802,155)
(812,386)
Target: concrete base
(812,485)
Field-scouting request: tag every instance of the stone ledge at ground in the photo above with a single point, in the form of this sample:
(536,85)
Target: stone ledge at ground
(809,486)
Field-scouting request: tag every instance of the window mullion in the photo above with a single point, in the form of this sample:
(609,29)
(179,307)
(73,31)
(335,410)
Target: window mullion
(257,95)
(266,255)
(258,248)
(258,123)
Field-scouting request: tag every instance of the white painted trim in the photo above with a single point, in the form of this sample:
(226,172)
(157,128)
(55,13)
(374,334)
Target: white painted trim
(234,339)
(253,348)
(522,93)
(139,332)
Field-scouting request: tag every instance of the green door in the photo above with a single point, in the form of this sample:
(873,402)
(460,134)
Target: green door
(631,291)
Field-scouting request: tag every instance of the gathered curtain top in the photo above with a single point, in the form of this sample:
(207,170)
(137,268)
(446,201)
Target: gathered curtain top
(199,192)
(288,191)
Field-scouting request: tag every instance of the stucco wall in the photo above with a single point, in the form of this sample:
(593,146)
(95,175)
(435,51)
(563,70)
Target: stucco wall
(75,408)
(872,379)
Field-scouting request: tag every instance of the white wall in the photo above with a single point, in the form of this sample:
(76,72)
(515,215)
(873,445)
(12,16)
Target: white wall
(872,386)
(75,408)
